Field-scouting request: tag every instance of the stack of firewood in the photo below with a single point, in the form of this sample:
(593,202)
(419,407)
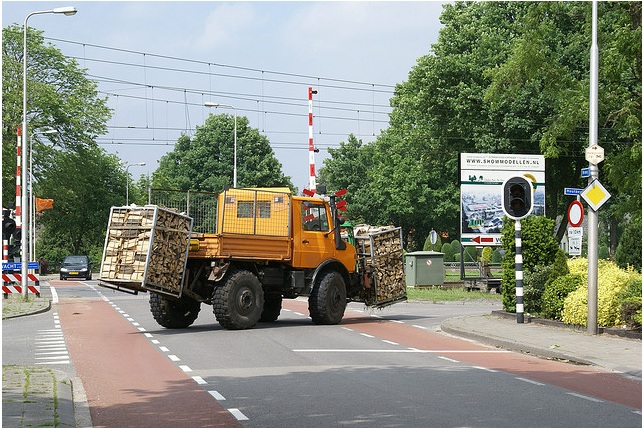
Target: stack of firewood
(146,247)
(381,247)
(388,267)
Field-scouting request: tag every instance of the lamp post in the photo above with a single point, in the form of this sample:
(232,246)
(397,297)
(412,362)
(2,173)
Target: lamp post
(67,10)
(32,212)
(127,180)
(210,104)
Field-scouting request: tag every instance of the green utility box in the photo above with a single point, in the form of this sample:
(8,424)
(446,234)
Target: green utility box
(424,268)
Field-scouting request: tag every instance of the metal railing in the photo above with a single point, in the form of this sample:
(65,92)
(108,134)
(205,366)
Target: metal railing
(200,206)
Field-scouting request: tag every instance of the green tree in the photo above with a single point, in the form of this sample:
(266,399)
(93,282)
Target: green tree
(68,166)
(554,100)
(348,168)
(82,201)
(59,97)
(205,162)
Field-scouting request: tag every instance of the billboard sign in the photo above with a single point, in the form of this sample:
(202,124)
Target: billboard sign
(481,178)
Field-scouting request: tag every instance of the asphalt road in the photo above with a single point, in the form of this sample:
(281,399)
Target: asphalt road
(384,368)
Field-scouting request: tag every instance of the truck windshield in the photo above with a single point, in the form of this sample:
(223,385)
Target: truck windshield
(313,216)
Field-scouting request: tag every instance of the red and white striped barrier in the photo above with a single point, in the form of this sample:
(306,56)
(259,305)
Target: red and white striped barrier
(8,278)
(312,181)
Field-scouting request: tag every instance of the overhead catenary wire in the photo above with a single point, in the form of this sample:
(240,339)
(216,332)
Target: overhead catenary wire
(264,104)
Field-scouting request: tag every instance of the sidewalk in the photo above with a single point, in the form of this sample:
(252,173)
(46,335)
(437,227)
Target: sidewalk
(34,396)
(610,352)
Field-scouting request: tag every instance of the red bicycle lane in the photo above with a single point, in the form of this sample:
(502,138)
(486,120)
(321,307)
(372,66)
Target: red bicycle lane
(127,381)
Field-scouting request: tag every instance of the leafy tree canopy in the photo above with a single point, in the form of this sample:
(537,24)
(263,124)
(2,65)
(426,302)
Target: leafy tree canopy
(504,77)
(59,97)
(68,166)
(205,162)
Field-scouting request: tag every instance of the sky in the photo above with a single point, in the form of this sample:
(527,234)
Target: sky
(157,63)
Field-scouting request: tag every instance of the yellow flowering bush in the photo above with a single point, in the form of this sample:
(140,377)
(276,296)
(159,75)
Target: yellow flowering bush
(611,280)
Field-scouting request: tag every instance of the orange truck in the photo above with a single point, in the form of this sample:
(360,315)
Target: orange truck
(268,245)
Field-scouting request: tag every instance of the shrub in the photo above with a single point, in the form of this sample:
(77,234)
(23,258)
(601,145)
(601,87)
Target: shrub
(456,246)
(578,266)
(612,280)
(539,247)
(496,257)
(534,284)
(628,251)
(555,293)
(431,247)
(470,254)
(559,267)
(447,250)
(630,308)
(486,254)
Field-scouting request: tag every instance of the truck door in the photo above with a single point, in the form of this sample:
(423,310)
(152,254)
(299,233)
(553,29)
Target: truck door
(314,243)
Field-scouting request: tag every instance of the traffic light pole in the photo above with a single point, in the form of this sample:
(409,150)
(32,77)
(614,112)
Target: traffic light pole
(520,306)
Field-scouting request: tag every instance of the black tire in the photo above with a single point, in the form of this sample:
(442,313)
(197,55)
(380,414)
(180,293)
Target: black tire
(238,302)
(327,302)
(173,313)
(271,307)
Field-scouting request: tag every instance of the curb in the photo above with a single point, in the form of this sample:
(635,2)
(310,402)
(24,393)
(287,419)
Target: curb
(64,395)
(81,405)
(34,312)
(512,346)
(626,334)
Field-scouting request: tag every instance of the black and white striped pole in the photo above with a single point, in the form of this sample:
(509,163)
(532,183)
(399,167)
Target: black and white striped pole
(517,203)
(520,303)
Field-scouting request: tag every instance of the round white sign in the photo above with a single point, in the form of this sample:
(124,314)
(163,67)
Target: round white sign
(575,214)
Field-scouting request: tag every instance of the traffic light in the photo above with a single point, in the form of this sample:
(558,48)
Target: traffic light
(8,225)
(517,198)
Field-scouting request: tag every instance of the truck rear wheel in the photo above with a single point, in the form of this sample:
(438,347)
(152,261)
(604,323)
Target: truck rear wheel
(173,313)
(271,307)
(327,302)
(238,302)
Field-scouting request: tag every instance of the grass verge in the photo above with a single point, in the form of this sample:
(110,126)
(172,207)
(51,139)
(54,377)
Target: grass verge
(439,294)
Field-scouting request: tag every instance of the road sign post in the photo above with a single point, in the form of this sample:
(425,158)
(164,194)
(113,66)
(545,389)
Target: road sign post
(594,155)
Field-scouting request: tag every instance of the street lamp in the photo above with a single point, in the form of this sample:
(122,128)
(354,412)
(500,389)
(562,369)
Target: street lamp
(32,212)
(211,104)
(127,180)
(67,10)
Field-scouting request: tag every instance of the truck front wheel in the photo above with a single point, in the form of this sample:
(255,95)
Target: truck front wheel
(327,302)
(238,302)
(173,313)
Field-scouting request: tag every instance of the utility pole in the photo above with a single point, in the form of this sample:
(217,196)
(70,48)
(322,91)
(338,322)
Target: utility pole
(592,215)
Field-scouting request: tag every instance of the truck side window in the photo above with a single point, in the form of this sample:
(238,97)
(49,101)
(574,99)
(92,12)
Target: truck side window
(313,216)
